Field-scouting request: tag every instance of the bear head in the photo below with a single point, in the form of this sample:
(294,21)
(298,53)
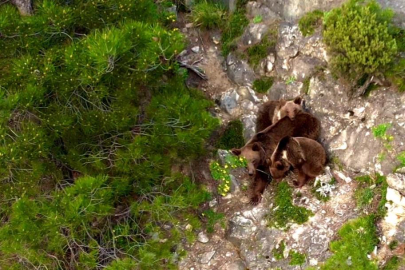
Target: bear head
(253,153)
(287,154)
(290,108)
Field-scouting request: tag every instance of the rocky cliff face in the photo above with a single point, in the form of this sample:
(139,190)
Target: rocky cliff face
(299,65)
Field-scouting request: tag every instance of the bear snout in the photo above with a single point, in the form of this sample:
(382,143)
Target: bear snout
(251,169)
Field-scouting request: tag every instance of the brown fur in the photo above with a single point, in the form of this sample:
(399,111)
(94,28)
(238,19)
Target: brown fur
(306,156)
(263,144)
(272,111)
(289,108)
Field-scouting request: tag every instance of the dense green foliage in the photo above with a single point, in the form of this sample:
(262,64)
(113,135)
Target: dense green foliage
(207,15)
(310,21)
(233,28)
(359,38)
(94,114)
(263,85)
(357,239)
(285,211)
(396,71)
(396,74)
(232,136)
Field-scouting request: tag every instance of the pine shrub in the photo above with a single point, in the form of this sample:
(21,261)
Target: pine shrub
(359,39)
(94,114)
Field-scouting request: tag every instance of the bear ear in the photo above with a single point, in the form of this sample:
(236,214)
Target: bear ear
(298,100)
(236,151)
(256,147)
(260,136)
(284,141)
(279,165)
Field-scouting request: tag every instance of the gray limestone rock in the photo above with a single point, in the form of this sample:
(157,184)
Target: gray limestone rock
(239,71)
(239,228)
(206,257)
(254,33)
(249,126)
(291,10)
(202,237)
(303,67)
(259,9)
(397,181)
(229,103)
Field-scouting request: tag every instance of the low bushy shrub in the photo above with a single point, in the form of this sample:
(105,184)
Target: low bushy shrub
(358,38)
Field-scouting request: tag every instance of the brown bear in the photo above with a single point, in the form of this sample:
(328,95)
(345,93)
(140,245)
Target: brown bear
(262,145)
(272,111)
(305,156)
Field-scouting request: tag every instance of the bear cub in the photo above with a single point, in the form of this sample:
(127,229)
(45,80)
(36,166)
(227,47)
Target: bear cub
(262,145)
(273,110)
(305,156)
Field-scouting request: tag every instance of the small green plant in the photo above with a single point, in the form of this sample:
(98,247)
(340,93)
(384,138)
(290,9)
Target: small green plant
(393,244)
(278,252)
(221,173)
(207,15)
(212,219)
(364,196)
(232,136)
(380,132)
(306,86)
(259,51)
(322,192)
(258,19)
(357,239)
(285,211)
(262,85)
(372,191)
(358,37)
(401,159)
(291,80)
(337,162)
(381,157)
(244,187)
(310,21)
(297,258)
